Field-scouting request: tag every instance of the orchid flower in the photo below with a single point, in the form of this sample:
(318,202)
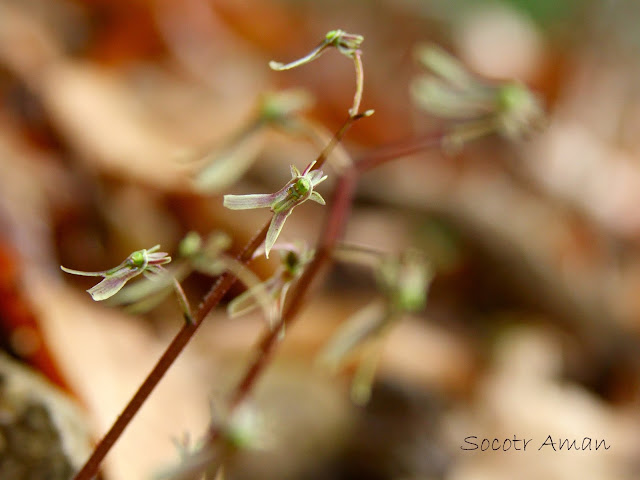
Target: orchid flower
(297,190)
(194,253)
(206,256)
(403,281)
(147,262)
(346,43)
(294,258)
(480,107)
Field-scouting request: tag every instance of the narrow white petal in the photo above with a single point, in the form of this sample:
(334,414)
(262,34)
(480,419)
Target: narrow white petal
(158,258)
(245,202)
(258,295)
(84,274)
(112,284)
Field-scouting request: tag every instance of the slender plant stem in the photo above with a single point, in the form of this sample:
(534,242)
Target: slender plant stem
(394,151)
(336,220)
(217,291)
(336,139)
(334,228)
(177,345)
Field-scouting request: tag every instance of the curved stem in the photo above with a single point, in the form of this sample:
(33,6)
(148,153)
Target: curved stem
(335,140)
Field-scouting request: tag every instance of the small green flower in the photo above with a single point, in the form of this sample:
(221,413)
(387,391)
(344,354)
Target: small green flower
(346,43)
(294,258)
(298,190)
(478,107)
(146,262)
(403,281)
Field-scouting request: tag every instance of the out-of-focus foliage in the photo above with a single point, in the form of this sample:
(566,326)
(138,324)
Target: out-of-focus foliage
(532,321)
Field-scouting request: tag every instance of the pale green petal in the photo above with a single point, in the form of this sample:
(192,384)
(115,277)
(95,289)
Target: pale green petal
(226,164)
(208,266)
(442,100)
(356,330)
(316,197)
(243,303)
(365,373)
(254,297)
(113,283)
(294,172)
(146,294)
(154,272)
(245,202)
(316,177)
(445,65)
(158,258)
(250,280)
(277,222)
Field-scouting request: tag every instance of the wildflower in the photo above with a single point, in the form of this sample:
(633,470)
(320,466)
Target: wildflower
(294,259)
(451,92)
(403,281)
(206,256)
(146,262)
(346,43)
(298,190)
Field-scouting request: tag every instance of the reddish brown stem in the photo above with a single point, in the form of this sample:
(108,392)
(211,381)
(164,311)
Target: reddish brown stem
(219,288)
(213,297)
(335,224)
(387,153)
(336,221)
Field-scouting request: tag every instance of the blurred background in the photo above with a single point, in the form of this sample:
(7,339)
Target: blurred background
(533,319)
